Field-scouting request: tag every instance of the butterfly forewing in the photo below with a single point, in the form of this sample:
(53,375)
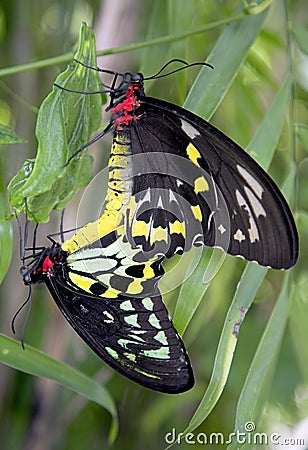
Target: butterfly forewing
(224,193)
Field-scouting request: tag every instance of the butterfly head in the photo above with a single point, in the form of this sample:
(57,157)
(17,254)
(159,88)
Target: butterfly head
(42,265)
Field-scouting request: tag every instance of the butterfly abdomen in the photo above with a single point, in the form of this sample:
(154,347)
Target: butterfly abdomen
(117,198)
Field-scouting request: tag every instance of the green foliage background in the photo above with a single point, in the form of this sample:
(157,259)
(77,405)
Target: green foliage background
(267,383)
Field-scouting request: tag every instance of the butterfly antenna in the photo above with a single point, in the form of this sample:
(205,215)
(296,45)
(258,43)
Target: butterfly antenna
(29,299)
(168,64)
(95,139)
(23,330)
(34,236)
(106,89)
(186,66)
(61,226)
(21,246)
(98,69)
(23,234)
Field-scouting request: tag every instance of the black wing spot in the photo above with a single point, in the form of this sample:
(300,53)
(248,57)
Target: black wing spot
(135,271)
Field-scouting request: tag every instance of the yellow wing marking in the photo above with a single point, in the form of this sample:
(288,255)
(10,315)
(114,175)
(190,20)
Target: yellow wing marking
(159,234)
(148,272)
(140,228)
(200,185)
(135,287)
(82,282)
(111,293)
(177,227)
(197,212)
(193,154)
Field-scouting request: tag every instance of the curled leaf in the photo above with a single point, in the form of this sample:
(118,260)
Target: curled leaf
(66,121)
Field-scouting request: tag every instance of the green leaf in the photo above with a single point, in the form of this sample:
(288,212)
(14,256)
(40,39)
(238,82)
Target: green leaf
(300,34)
(255,390)
(66,121)
(299,313)
(263,146)
(6,246)
(36,363)
(7,136)
(247,288)
(209,263)
(227,55)
(302,133)
(6,237)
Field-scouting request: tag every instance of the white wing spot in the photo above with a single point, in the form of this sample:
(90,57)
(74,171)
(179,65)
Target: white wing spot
(189,129)
(148,303)
(253,229)
(84,310)
(160,353)
(110,318)
(127,306)
(222,229)
(160,203)
(172,197)
(153,320)
(253,183)
(239,236)
(132,320)
(161,337)
(255,204)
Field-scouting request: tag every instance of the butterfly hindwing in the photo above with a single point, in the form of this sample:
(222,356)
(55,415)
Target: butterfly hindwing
(135,337)
(110,266)
(108,293)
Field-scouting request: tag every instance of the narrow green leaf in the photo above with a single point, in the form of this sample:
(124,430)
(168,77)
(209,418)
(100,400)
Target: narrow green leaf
(265,141)
(6,246)
(193,290)
(36,363)
(255,390)
(302,133)
(253,276)
(299,310)
(6,237)
(227,55)
(66,121)
(8,136)
(300,33)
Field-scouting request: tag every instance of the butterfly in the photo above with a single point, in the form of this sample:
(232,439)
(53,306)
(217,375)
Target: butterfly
(107,292)
(175,181)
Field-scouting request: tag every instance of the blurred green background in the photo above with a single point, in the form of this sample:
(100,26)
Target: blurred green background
(38,414)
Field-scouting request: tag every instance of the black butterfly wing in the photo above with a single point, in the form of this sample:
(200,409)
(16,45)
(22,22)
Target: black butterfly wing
(218,191)
(134,336)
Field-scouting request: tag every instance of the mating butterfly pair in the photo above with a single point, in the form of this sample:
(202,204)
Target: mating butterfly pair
(175,181)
